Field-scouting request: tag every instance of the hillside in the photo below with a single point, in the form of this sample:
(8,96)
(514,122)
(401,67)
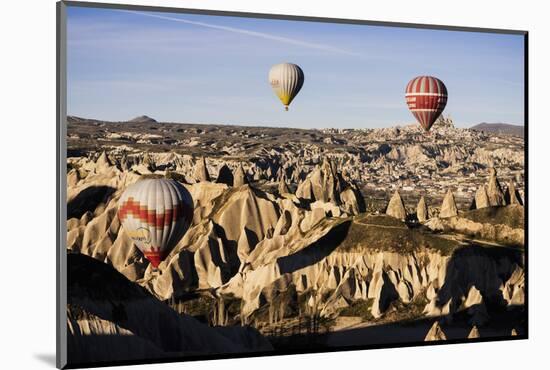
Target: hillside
(500,128)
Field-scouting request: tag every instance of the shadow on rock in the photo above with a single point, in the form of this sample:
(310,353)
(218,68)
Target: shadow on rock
(316,251)
(88,200)
(484,268)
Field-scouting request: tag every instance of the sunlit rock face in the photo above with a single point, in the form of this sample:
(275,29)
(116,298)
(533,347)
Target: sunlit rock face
(304,229)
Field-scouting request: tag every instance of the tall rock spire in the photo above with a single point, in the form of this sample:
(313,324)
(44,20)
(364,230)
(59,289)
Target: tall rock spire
(396,207)
(239,176)
(283,187)
(494,191)
(201,172)
(422,210)
(448,207)
(512,196)
(481,199)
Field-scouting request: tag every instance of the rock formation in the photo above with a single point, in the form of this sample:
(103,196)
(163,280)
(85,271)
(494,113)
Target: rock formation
(138,318)
(352,201)
(396,207)
(103,160)
(323,184)
(422,213)
(475,224)
(435,333)
(512,196)
(283,187)
(494,191)
(448,207)
(201,171)
(326,184)
(474,333)
(148,162)
(252,257)
(248,245)
(481,198)
(239,177)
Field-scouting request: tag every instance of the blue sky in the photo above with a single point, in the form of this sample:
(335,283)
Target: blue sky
(212,69)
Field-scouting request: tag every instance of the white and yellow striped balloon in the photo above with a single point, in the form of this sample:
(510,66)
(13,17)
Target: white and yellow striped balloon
(286,79)
(155,214)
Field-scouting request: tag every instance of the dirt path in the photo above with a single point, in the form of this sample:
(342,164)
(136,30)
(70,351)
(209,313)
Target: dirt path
(382,226)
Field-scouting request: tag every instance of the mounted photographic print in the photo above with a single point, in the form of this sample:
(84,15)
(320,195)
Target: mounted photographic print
(235,184)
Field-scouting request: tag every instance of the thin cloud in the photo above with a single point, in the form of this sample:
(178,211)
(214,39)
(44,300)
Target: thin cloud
(242,31)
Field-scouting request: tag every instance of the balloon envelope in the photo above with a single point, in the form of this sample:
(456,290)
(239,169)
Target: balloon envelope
(286,80)
(155,214)
(426,97)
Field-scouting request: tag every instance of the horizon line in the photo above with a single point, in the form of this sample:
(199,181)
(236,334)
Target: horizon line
(276,125)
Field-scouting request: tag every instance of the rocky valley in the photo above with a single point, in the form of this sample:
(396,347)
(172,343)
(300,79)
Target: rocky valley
(300,239)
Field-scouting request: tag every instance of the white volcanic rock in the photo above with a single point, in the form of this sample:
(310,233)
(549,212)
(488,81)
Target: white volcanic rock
(143,316)
(422,213)
(389,276)
(330,209)
(474,297)
(103,161)
(396,207)
(86,218)
(383,291)
(448,207)
(246,244)
(481,197)
(512,196)
(435,333)
(283,187)
(255,246)
(494,232)
(99,234)
(284,223)
(201,171)
(352,201)
(513,290)
(73,177)
(213,262)
(312,218)
(247,207)
(435,309)
(474,333)
(205,195)
(177,276)
(324,184)
(494,191)
(145,166)
(239,177)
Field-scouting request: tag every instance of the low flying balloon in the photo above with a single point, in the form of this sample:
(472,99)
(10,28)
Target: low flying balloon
(286,79)
(426,97)
(155,214)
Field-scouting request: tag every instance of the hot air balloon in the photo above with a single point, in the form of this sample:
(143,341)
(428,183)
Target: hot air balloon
(426,97)
(155,214)
(286,79)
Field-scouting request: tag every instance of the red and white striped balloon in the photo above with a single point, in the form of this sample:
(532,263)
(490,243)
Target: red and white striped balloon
(155,214)
(426,97)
